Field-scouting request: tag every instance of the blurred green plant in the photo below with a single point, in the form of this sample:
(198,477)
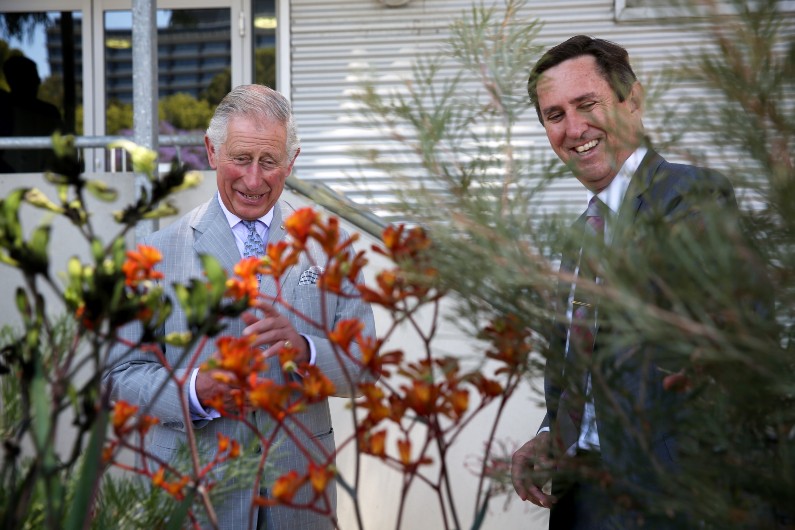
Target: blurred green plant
(706,300)
(51,367)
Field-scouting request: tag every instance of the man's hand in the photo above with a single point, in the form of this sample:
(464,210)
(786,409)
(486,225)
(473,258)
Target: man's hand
(207,387)
(528,462)
(274,331)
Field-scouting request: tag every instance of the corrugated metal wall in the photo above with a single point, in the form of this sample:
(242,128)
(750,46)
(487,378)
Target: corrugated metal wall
(334,42)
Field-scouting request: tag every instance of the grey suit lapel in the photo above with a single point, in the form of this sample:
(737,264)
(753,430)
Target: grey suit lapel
(213,235)
(276,233)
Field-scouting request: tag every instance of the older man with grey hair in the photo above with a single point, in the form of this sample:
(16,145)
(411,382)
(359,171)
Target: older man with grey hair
(252,145)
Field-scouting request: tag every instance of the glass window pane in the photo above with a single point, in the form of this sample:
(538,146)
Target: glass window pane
(41,85)
(264,31)
(194,72)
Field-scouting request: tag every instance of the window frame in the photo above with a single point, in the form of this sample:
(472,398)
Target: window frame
(624,13)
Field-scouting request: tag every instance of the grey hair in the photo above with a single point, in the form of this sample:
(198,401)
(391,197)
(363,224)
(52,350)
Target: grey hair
(256,102)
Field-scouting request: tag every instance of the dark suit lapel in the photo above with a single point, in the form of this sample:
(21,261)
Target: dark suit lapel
(634,200)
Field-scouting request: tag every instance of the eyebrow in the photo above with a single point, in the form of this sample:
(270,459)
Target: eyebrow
(580,99)
(575,101)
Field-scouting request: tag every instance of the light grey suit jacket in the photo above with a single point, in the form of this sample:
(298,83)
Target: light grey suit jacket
(140,379)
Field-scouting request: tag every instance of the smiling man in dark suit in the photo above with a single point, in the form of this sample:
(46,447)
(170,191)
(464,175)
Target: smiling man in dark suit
(252,144)
(591,105)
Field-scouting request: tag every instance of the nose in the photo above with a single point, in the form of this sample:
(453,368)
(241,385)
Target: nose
(252,177)
(576,126)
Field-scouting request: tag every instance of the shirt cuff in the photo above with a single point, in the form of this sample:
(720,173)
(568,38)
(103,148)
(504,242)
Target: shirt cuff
(312,350)
(197,411)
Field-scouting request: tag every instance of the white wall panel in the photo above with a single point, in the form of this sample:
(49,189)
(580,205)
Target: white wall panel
(332,43)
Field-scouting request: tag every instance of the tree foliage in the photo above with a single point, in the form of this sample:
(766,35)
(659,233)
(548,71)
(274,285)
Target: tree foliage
(702,299)
(185,112)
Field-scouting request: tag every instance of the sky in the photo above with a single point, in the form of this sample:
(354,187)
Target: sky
(36,47)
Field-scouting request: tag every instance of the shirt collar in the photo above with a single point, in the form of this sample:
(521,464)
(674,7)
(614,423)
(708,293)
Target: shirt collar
(232,219)
(613,194)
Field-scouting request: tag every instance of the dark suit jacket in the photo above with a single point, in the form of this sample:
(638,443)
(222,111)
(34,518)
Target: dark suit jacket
(627,377)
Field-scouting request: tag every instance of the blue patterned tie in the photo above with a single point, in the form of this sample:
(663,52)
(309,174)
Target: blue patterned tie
(253,246)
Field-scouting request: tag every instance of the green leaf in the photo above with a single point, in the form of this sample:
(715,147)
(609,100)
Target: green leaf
(163,307)
(191,180)
(101,190)
(23,304)
(74,269)
(481,513)
(119,251)
(164,209)
(63,145)
(39,243)
(183,297)
(80,509)
(8,260)
(97,250)
(180,513)
(216,276)
(63,192)
(35,197)
(41,417)
(180,339)
(11,228)
(198,302)
(143,159)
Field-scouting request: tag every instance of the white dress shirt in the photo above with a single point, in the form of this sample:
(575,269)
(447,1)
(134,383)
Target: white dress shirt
(612,196)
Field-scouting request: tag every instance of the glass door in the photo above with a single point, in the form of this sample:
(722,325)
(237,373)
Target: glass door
(41,76)
(201,53)
(82,53)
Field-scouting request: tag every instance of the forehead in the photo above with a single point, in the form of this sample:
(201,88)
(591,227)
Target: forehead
(247,133)
(570,79)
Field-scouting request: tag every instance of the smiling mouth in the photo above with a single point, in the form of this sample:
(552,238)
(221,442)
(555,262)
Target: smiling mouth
(584,148)
(251,197)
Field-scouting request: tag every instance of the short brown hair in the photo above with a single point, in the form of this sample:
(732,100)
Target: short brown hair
(612,62)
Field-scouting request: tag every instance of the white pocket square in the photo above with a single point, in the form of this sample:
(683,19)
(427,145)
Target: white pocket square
(310,275)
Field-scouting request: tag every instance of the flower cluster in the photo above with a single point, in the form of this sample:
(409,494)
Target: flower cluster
(140,265)
(413,277)
(245,284)
(121,417)
(238,364)
(399,420)
(511,343)
(306,224)
(286,486)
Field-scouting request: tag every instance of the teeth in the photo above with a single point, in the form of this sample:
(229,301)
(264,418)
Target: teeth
(586,147)
(252,197)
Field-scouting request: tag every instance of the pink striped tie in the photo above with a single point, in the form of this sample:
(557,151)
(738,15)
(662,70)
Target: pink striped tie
(583,322)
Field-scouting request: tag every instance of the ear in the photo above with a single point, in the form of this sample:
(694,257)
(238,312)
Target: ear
(211,154)
(292,162)
(635,98)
